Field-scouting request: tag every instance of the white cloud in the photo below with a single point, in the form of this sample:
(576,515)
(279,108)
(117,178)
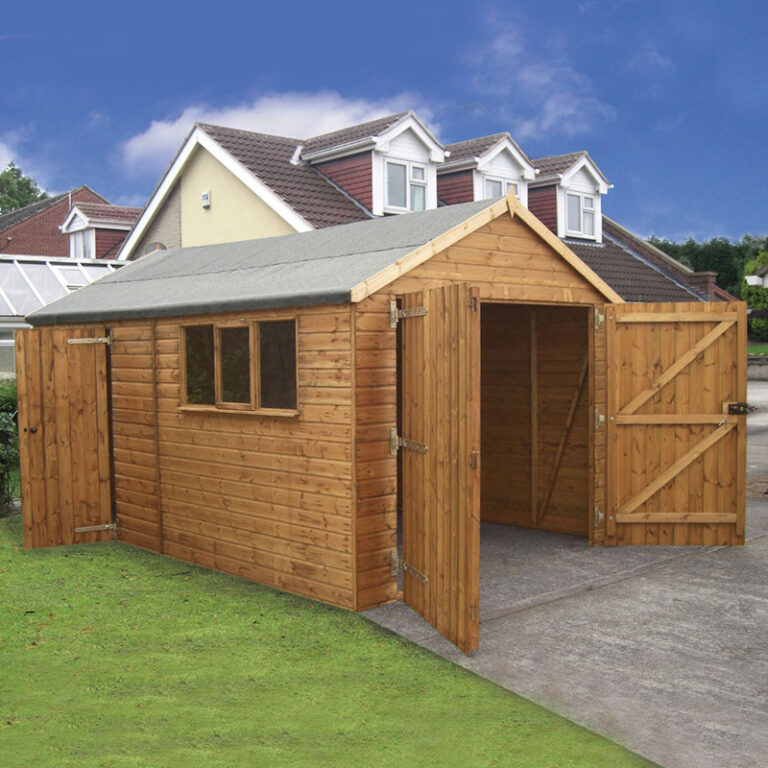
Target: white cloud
(538,92)
(6,155)
(284,114)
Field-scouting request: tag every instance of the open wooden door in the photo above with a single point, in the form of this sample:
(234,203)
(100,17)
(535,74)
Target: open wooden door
(441,455)
(64,435)
(676,426)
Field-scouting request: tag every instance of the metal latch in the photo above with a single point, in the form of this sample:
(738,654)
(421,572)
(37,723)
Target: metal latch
(94,528)
(396,442)
(599,418)
(738,409)
(395,314)
(91,340)
(598,516)
(394,563)
(417,574)
(599,317)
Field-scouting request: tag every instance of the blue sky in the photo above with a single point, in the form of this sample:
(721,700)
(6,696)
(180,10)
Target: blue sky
(670,98)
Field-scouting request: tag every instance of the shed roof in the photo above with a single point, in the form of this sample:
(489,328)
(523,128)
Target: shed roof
(317,267)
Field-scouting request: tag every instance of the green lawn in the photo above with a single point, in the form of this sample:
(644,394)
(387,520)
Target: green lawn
(757,349)
(114,657)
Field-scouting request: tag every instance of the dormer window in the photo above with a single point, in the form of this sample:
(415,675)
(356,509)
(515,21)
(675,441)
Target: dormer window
(500,188)
(82,244)
(406,186)
(580,214)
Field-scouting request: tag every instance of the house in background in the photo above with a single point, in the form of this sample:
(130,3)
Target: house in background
(98,230)
(34,229)
(227,184)
(51,248)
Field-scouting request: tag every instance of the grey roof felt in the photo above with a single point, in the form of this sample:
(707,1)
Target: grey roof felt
(318,267)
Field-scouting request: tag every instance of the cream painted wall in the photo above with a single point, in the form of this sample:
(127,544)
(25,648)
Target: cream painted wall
(235,213)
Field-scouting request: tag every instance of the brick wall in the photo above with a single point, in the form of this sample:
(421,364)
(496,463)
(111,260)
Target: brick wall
(40,235)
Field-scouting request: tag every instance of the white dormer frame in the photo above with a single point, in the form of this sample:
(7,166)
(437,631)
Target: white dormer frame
(82,235)
(383,152)
(199,138)
(598,188)
(484,171)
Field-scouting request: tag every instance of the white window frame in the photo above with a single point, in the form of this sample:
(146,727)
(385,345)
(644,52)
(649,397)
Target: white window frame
(593,210)
(409,182)
(90,234)
(506,185)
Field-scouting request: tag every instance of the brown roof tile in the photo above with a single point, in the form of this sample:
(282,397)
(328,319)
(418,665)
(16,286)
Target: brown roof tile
(350,134)
(631,278)
(557,163)
(301,187)
(121,213)
(461,150)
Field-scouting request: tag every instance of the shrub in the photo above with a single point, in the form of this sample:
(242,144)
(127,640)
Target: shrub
(9,400)
(9,454)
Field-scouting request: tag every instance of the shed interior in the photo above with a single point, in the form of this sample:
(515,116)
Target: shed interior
(535,395)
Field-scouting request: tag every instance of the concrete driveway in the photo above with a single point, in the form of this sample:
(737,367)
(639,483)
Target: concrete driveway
(664,650)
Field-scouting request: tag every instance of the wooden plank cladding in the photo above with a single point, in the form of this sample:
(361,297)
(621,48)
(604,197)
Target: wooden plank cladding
(676,470)
(64,435)
(261,496)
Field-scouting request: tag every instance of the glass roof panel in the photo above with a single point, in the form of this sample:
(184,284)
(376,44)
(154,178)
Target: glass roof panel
(44,280)
(73,277)
(17,290)
(5,308)
(94,271)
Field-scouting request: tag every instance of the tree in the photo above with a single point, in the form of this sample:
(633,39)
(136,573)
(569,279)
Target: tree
(716,255)
(756,296)
(17,190)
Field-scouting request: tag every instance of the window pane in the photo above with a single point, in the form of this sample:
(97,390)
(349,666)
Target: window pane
(492,189)
(574,213)
(589,223)
(418,197)
(396,185)
(277,362)
(417,173)
(95,272)
(235,351)
(198,341)
(589,203)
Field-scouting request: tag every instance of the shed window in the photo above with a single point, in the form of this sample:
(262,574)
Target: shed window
(235,364)
(198,355)
(246,367)
(277,364)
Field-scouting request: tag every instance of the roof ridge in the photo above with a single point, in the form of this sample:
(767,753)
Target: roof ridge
(398,115)
(215,126)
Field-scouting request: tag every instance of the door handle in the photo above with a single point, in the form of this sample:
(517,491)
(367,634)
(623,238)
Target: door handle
(32,430)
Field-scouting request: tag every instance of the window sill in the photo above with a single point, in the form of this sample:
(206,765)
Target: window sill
(283,413)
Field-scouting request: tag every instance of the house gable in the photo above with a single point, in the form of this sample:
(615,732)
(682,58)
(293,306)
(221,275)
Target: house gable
(200,138)
(231,212)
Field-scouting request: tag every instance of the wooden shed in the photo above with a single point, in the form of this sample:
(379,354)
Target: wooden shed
(267,407)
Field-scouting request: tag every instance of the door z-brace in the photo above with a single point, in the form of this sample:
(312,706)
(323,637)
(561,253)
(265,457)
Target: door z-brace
(396,443)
